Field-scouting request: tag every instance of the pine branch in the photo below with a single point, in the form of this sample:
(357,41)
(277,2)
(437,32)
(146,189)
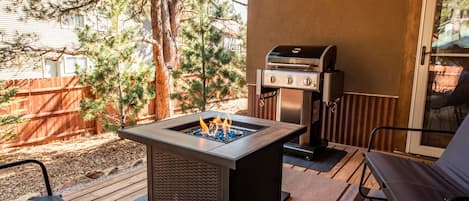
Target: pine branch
(203,30)
(13,52)
(138,10)
(11,117)
(51,9)
(116,72)
(240,3)
(225,19)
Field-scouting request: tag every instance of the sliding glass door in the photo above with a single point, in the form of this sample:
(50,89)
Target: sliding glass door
(441,85)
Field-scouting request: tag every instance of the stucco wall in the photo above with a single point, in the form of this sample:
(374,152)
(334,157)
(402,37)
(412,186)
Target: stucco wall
(369,35)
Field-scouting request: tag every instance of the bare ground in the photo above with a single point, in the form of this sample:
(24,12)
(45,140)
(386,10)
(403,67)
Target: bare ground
(74,162)
(68,163)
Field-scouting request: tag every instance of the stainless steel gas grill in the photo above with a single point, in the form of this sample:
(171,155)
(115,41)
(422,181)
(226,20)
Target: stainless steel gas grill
(304,79)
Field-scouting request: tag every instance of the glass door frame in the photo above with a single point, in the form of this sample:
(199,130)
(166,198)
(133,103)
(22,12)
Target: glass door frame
(417,109)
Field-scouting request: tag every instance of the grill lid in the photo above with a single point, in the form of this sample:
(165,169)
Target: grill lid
(302,57)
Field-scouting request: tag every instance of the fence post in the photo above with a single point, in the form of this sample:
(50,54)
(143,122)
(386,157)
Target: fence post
(97,124)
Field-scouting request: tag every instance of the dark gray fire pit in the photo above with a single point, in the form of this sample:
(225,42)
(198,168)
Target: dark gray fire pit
(187,167)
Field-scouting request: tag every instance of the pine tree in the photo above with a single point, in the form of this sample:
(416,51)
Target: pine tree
(8,119)
(164,17)
(207,71)
(119,84)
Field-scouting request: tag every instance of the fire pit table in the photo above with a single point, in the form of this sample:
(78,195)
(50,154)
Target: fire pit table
(203,157)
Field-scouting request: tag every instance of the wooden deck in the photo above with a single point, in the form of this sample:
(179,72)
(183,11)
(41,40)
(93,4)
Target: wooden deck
(132,184)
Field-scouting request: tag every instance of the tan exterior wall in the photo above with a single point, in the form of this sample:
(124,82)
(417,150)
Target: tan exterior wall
(369,35)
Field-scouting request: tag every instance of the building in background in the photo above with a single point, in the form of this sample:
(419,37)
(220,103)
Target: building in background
(50,34)
(61,34)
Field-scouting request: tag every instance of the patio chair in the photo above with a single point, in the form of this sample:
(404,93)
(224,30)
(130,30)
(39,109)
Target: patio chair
(50,196)
(447,179)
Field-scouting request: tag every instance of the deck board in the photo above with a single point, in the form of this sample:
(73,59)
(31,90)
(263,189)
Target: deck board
(129,189)
(299,169)
(109,181)
(117,187)
(134,195)
(132,184)
(356,176)
(304,187)
(350,193)
(372,183)
(347,171)
(350,152)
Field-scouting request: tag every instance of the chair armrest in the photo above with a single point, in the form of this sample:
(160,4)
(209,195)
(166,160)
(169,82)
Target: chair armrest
(375,130)
(43,168)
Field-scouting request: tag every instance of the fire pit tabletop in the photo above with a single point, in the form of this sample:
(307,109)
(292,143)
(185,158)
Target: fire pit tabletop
(165,135)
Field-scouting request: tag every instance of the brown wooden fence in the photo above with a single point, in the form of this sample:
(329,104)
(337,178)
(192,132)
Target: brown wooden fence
(52,106)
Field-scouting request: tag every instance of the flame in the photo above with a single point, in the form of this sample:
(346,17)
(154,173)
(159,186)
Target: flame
(226,126)
(203,125)
(216,120)
(215,125)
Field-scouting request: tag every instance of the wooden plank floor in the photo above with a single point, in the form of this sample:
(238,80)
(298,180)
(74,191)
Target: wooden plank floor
(132,184)
(348,169)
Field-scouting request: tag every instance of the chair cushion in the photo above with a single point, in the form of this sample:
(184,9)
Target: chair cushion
(454,161)
(403,179)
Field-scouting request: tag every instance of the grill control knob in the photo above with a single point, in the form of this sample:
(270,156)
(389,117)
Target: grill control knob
(307,81)
(289,80)
(272,79)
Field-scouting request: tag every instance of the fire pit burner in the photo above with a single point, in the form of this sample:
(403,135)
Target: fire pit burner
(232,135)
(219,130)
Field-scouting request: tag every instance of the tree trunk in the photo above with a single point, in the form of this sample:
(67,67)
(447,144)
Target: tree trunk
(161,76)
(171,12)
(169,35)
(174,10)
(204,75)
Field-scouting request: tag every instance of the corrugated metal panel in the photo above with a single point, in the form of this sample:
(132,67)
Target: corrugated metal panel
(354,118)
(268,111)
(351,122)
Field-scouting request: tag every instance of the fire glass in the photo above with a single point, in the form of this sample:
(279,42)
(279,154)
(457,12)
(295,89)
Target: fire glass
(217,129)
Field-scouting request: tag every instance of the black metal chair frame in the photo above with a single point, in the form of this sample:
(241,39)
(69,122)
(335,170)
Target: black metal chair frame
(370,145)
(43,169)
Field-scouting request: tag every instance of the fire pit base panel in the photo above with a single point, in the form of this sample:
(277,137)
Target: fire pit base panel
(256,177)
(177,178)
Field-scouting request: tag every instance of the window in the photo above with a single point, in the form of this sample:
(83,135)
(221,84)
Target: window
(73,21)
(79,21)
(67,22)
(71,63)
(50,68)
(103,23)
